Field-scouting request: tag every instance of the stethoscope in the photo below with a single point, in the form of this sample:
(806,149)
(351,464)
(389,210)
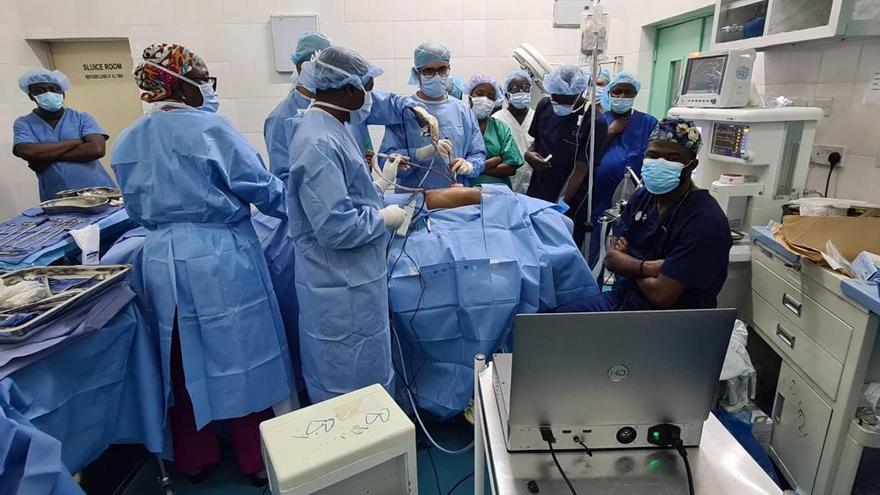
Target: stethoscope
(641,216)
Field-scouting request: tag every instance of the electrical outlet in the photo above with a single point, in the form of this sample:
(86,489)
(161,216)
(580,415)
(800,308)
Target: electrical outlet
(822,151)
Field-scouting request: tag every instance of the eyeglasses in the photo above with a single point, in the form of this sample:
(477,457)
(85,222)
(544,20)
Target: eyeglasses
(519,88)
(431,72)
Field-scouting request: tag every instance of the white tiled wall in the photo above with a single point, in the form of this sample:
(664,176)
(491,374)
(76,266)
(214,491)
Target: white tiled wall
(234,38)
(840,71)
(18,185)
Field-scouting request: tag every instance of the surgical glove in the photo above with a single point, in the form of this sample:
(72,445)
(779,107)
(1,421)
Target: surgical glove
(393,216)
(427,120)
(444,147)
(462,167)
(387,176)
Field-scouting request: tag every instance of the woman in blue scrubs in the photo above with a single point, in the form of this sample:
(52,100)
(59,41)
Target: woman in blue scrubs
(63,146)
(190,178)
(628,133)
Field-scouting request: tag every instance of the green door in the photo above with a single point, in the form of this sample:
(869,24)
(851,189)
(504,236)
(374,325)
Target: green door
(672,46)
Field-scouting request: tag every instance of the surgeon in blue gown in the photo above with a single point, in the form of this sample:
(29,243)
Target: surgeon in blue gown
(297,100)
(628,133)
(460,154)
(61,145)
(190,178)
(339,225)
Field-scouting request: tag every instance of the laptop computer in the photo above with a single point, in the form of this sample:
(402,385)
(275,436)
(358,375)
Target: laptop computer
(608,377)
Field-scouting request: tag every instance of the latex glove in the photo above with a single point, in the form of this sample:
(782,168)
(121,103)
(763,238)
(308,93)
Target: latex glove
(462,167)
(426,119)
(387,176)
(444,147)
(393,216)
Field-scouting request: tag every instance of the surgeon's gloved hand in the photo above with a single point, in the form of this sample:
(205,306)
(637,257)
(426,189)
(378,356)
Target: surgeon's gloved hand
(426,120)
(444,147)
(393,216)
(462,167)
(387,176)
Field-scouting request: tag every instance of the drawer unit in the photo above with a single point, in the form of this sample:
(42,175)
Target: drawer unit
(801,421)
(802,310)
(787,271)
(797,346)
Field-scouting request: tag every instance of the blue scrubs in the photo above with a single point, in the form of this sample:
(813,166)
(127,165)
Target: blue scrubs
(59,176)
(625,150)
(567,142)
(341,284)
(694,241)
(190,178)
(457,123)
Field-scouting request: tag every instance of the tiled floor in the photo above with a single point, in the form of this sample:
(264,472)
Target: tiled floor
(226,480)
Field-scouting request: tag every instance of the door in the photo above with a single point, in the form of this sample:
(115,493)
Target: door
(672,46)
(101,83)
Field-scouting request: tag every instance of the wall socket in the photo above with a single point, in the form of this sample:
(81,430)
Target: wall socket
(822,151)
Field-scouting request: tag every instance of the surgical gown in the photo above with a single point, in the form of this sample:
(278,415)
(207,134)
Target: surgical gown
(341,284)
(189,177)
(625,150)
(59,176)
(458,124)
(277,135)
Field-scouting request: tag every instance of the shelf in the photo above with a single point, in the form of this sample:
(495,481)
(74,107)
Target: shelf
(738,4)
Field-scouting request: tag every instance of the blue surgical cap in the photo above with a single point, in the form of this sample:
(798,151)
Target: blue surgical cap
(426,53)
(517,74)
(566,80)
(478,79)
(309,42)
(455,86)
(625,78)
(604,74)
(37,76)
(336,67)
(430,52)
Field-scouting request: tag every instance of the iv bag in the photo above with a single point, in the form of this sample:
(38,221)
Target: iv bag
(594,22)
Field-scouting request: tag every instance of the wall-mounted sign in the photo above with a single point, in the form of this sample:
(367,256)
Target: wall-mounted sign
(103,70)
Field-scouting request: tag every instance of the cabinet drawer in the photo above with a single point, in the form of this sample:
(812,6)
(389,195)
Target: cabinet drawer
(788,272)
(800,424)
(819,365)
(831,333)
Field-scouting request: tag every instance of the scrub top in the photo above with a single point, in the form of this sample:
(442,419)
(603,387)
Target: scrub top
(561,137)
(624,150)
(59,176)
(694,241)
(499,142)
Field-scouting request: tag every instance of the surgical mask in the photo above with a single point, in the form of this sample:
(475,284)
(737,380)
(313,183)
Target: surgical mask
(210,100)
(357,115)
(562,110)
(520,100)
(660,175)
(435,86)
(482,106)
(622,105)
(302,102)
(361,114)
(50,102)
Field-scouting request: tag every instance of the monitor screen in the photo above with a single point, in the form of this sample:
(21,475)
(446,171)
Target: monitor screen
(704,75)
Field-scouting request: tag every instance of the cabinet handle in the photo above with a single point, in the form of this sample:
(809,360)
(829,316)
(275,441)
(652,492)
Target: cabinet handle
(785,336)
(792,304)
